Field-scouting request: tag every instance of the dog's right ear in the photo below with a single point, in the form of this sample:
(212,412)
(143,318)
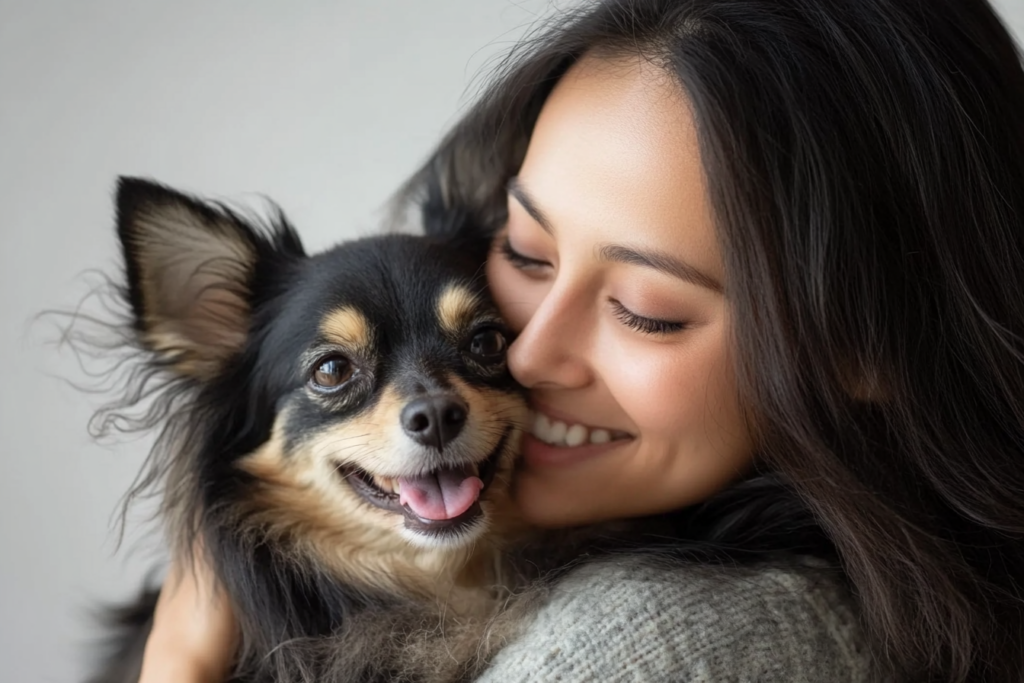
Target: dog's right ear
(189,268)
(446,217)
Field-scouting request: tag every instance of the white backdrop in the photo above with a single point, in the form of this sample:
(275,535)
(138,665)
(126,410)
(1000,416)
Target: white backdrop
(325,106)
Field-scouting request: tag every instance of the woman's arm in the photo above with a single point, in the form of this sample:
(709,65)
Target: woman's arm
(194,633)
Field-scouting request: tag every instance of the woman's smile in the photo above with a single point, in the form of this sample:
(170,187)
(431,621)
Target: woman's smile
(556,439)
(566,431)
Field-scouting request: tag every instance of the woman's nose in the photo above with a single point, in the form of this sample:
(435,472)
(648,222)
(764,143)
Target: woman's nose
(551,349)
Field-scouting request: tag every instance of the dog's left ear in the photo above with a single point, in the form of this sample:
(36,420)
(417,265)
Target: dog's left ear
(190,267)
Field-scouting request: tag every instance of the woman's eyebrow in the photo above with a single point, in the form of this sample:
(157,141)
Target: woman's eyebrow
(516,189)
(659,261)
(618,253)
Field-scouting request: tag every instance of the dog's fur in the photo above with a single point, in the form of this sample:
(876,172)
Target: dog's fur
(281,475)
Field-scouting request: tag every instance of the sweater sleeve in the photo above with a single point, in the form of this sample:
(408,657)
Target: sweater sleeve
(638,619)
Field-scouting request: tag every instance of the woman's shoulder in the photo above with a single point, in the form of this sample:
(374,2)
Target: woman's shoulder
(647,618)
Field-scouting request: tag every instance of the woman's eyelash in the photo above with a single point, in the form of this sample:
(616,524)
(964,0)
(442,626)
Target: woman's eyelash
(642,324)
(625,316)
(516,259)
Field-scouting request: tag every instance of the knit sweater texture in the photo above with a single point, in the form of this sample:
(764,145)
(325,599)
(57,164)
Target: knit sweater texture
(640,619)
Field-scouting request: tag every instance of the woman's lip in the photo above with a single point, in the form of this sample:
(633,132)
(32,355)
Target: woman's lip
(535,453)
(551,413)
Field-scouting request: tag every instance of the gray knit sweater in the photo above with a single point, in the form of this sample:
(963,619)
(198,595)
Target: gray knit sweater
(644,620)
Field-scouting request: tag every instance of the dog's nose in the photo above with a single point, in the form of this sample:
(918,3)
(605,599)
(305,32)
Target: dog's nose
(434,420)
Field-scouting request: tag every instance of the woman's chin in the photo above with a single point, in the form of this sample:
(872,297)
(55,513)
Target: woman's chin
(549,502)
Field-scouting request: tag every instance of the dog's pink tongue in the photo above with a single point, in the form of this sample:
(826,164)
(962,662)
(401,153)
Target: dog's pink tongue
(443,495)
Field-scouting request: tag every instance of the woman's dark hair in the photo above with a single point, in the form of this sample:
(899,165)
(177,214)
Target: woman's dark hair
(865,162)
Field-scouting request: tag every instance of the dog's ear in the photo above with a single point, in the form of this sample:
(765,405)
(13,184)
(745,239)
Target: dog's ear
(449,219)
(189,268)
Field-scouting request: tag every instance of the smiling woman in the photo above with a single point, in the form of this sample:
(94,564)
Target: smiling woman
(609,269)
(764,263)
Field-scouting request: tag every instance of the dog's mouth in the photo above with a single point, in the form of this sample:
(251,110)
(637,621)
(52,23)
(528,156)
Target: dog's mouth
(442,501)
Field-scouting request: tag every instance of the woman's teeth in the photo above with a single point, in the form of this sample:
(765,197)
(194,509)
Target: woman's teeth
(556,433)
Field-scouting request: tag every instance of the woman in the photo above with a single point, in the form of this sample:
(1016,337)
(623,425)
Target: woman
(768,256)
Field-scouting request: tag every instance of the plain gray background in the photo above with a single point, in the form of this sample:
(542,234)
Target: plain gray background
(323,106)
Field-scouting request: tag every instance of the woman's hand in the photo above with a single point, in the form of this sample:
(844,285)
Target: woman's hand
(194,633)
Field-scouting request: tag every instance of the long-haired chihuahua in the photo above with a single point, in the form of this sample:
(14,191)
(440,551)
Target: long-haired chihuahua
(340,433)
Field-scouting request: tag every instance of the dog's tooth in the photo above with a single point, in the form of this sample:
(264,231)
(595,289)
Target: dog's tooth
(575,435)
(386,484)
(600,436)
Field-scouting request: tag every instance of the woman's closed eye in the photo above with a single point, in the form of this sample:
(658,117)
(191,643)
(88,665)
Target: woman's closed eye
(652,326)
(640,323)
(518,260)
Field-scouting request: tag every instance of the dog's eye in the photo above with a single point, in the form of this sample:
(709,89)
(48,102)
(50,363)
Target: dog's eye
(331,373)
(488,344)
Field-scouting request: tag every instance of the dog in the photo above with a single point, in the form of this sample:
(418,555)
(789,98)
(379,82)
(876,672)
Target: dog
(340,432)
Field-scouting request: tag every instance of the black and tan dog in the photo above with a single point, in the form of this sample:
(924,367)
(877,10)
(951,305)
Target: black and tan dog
(339,430)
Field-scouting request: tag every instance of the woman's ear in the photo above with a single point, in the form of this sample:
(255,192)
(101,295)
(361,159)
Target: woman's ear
(189,268)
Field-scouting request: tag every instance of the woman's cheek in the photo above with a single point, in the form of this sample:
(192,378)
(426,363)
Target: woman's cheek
(659,386)
(646,385)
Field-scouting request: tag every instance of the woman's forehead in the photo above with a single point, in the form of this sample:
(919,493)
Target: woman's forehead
(615,154)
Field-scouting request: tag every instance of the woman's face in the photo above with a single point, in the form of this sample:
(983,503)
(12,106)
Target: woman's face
(610,272)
